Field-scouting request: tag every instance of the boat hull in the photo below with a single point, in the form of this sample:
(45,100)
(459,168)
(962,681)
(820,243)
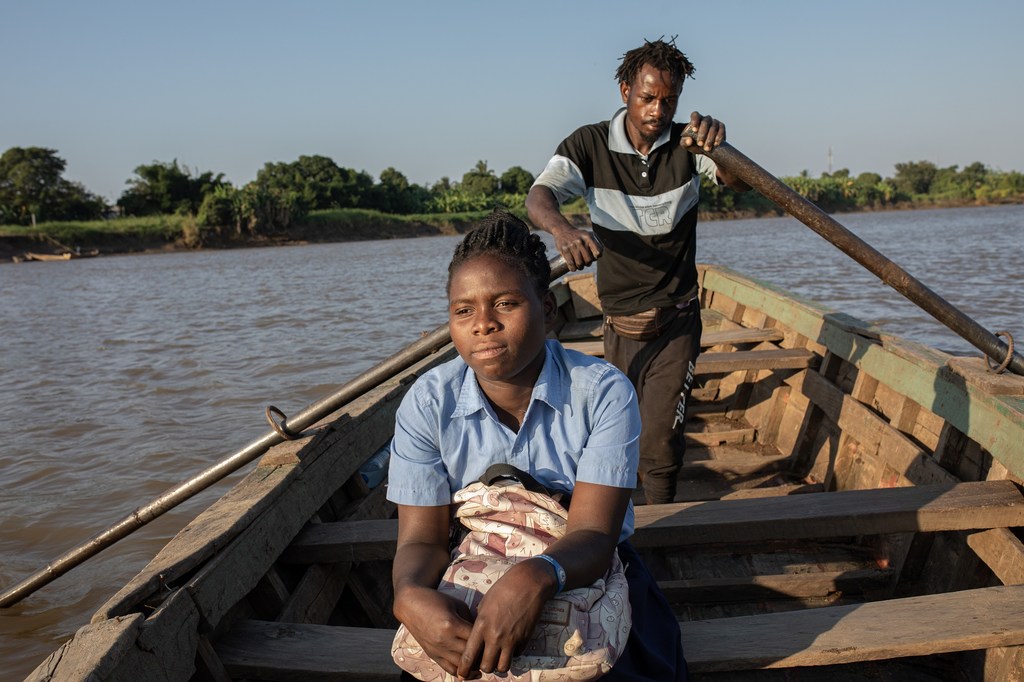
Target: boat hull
(849,501)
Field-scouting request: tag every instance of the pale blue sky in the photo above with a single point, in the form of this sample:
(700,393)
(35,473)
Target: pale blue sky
(431,87)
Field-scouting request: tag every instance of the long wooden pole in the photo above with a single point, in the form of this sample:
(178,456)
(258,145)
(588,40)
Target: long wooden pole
(733,161)
(380,372)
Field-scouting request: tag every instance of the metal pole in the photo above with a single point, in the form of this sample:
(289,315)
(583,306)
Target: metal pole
(734,162)
(380,372)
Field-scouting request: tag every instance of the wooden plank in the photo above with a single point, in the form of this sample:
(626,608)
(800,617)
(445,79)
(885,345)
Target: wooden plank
(1002,552)
(774,490)
(582,330)
(585,331)
(585,300)
(734,466)
(343,541)
(584,336)
(976,372)
(235,570)
(94,653)
(964,506)
(160,647)
(594,347)
(316,595)
(252,499)
(201,538)
(214,669)
(732,337)
(790,585)
(260,650)
(915,626)
(723,437)
(783,358)
(919,372)
(875,435)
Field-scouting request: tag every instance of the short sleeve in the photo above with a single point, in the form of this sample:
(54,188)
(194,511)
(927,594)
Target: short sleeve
(612,452)
(417,475)
(706,167)
(563,177)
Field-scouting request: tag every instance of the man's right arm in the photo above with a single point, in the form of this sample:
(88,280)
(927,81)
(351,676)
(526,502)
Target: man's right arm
(579,247)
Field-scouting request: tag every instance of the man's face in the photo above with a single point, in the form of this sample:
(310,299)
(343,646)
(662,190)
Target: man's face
(651,101)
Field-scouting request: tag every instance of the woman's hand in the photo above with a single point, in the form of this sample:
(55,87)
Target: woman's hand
(506,617)
(440,623)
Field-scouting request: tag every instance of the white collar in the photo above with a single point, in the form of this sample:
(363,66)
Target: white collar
(618,140)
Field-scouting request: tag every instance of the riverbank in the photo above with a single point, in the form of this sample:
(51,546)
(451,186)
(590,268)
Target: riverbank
(320,227)
(162,234)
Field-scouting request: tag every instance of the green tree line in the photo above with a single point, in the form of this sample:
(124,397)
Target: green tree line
(32,189)
(915,183)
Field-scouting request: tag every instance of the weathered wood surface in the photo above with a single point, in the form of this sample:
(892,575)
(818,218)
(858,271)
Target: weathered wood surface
(316,594)
(1002,552)
(133,647)
(733,466)
(271,504)
(915,626)
(94,652)
(590,330)
(964,506)
(260,650)
(732,337)
(913,370)
(344,541)
(793,585)
(720,437)
(783,358)
(874,435)
(723,362)
(976,372)
(214,528)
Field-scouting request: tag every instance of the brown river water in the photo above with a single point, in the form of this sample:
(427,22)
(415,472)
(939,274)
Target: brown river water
(122,376)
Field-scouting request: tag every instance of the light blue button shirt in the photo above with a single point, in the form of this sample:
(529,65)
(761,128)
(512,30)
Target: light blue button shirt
(582,424)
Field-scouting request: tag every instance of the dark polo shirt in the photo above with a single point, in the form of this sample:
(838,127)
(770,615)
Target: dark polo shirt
(643,209)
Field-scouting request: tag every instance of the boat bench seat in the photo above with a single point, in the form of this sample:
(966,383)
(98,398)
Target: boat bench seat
(930,508)
(722,362)
(591,330)
(914,626)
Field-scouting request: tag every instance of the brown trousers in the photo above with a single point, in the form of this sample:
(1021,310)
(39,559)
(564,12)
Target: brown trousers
(662,374)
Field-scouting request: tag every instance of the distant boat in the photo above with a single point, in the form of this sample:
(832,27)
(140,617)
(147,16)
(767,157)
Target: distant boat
(65,255)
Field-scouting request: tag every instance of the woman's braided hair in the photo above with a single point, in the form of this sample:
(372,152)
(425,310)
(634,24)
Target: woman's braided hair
(659,54)
(507,238)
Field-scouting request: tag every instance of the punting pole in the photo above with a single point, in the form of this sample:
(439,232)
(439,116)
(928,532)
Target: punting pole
(410,355)
(733,161)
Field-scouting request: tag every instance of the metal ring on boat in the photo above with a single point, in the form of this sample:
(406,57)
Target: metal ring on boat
(280,428)
(1009,354)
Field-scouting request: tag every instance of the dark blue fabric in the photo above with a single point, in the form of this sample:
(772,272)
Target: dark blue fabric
(654,651)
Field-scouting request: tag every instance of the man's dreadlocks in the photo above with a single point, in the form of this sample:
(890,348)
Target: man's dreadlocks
(659,54)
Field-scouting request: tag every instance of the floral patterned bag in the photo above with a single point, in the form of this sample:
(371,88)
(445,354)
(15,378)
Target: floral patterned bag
(581,631)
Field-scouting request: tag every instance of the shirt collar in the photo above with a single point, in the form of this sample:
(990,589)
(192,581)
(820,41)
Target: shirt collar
(618,140)
(550,387)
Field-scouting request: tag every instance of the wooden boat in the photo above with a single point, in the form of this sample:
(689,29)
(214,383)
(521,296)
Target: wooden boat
(63,255)
(850,508)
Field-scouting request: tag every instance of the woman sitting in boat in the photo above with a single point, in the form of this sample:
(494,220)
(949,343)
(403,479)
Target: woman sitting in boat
(569,420)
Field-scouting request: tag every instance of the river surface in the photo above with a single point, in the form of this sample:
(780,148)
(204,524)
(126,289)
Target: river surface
(120,376)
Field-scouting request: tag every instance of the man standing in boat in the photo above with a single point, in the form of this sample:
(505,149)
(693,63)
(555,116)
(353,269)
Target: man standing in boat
(641,177)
